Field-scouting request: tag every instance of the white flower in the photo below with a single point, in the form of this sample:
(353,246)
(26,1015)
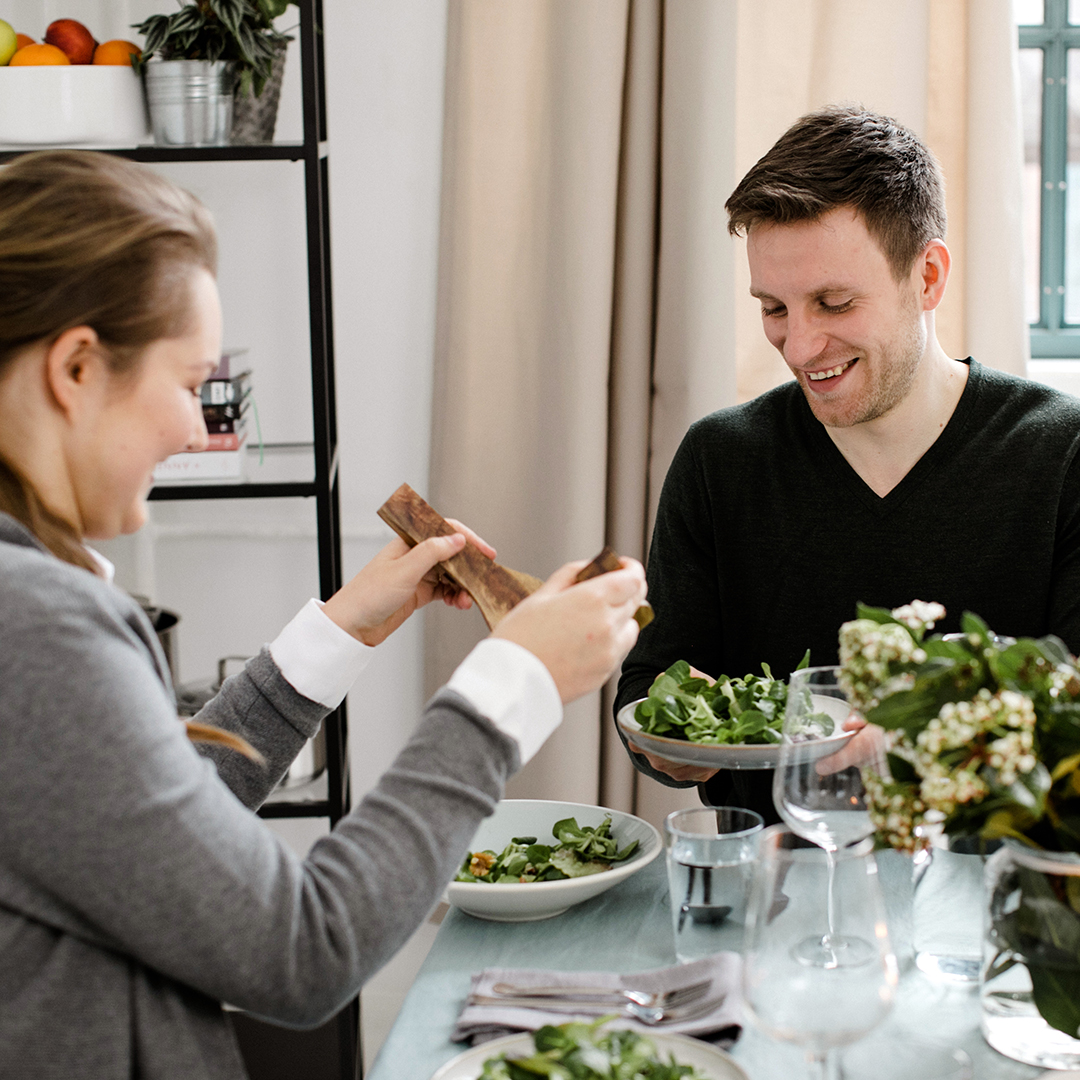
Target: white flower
(919,615)
(868,651)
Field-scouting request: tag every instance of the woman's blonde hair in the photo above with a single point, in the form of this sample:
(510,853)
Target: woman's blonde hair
(88,239)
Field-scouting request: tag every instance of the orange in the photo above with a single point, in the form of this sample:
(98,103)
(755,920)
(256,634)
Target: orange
(30,55)
(23,39)
(116,52)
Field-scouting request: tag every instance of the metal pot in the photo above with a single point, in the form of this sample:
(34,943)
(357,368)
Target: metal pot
(307,765)
(164,623)
(190,101)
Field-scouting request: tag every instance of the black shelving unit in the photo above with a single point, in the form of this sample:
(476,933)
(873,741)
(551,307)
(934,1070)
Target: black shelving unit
(330,1052)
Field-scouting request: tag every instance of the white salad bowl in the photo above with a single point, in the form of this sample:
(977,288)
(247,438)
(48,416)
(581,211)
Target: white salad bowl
(732,755)
(545,899)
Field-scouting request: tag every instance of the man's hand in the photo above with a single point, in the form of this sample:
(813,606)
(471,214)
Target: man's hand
(866,748)
(676,771)
(694,773)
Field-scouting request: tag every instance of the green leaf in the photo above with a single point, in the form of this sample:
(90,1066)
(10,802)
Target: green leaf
(568,862)
(875,614)
(901,770)
(1055,650)
(1056,993)
(972,625)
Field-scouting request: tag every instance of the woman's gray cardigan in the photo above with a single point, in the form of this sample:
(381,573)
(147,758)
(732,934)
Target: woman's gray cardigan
(138,889)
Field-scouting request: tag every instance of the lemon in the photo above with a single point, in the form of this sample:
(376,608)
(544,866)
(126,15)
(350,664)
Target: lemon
(8,42)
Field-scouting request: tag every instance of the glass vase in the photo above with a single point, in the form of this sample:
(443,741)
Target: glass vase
(1030,980)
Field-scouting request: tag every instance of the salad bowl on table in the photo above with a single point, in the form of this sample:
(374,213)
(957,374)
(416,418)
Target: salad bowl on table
(530,901)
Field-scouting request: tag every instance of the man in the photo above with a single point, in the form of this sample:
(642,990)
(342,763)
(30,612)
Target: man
(884,473)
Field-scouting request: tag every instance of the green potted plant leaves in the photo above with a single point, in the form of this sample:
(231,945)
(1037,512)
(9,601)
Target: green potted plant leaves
(198,59)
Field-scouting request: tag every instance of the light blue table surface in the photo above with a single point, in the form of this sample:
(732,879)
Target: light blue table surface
(628,928)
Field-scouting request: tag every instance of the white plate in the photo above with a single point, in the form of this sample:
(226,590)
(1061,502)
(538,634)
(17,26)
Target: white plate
(545,899)
(708,1060)
(759,756)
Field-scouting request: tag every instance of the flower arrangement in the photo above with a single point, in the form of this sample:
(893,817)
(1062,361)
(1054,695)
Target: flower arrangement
(984,732)
(983,739)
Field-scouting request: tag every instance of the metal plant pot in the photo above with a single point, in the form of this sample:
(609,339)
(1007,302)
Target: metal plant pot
(190,101)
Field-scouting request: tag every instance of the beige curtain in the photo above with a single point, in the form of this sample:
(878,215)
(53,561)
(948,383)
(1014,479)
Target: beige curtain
(946,69)
(591,304)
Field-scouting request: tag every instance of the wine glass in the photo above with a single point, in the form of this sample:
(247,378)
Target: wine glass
(820,794)
(817,1006)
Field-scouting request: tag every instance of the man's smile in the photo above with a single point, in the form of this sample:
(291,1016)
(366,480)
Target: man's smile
(830,373)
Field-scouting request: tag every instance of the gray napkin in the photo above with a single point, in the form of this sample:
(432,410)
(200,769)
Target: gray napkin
(722,1026)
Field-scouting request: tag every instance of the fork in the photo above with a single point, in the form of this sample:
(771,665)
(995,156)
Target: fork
(681,995)
(651,1016)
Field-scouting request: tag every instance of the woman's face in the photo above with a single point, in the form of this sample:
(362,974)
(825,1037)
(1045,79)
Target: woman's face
(142,418)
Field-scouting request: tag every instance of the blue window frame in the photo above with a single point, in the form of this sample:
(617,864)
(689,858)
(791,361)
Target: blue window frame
(1049,43)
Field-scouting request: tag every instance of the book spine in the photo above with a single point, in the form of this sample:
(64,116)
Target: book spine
(223,391)
(228,440)
(206,465)
(232,410)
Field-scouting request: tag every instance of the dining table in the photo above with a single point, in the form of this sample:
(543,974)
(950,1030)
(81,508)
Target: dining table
(629,929)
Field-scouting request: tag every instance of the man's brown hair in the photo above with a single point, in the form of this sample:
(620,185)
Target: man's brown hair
(844,155)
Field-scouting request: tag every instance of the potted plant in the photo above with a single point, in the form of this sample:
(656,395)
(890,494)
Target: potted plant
(197,60)
(983,740)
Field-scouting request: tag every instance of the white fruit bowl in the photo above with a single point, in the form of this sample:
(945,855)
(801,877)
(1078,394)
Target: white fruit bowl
(84,105)
(544,899)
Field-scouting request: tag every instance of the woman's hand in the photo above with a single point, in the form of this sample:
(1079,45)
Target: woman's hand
(581,631)
(397,581)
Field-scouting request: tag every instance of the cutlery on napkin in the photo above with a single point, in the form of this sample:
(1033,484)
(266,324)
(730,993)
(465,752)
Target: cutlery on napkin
(477,1023)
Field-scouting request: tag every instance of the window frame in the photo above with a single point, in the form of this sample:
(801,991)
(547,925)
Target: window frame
(1051,336)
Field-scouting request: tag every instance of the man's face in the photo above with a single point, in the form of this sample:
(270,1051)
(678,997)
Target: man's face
(851,334)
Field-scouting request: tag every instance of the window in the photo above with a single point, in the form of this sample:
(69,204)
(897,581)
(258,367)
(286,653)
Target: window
(1049,40)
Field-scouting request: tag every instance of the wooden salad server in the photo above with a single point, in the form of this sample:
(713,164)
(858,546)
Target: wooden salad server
(494,589)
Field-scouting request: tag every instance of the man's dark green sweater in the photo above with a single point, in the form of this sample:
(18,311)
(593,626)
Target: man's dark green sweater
(766,538)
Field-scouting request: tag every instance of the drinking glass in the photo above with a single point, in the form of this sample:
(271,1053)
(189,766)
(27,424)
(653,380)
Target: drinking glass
(820,794)
(710,854)
(817,1006)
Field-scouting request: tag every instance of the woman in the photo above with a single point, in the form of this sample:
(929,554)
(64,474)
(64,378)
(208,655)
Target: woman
(137,889)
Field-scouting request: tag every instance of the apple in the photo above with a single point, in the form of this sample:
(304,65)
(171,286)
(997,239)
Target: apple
(73,39)
(8,42)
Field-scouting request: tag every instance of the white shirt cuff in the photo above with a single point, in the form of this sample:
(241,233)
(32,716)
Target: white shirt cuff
(513,689)
(318,658)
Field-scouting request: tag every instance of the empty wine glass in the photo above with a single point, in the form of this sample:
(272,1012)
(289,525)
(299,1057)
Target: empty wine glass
(817,1006)
(818,789)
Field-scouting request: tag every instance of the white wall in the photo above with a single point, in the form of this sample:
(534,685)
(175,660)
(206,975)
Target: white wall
(236,571)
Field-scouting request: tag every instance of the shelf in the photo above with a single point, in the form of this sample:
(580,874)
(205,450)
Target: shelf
(258,152)
(286,469)
(304,800)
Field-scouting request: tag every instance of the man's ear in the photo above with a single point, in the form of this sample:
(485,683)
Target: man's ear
(932,268)
(72,365)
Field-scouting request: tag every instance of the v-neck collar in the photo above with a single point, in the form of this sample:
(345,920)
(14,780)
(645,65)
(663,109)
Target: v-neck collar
(942,447)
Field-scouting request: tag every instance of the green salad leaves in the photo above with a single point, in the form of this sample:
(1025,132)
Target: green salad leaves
(578,1051)
(579,850)
(729,711)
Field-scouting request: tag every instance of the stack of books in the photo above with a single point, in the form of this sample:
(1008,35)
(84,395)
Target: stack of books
(226,400)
